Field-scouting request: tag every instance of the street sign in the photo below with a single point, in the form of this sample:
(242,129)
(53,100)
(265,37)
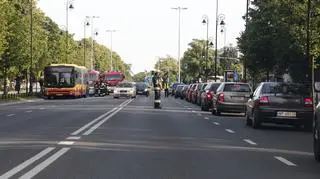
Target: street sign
(235,76)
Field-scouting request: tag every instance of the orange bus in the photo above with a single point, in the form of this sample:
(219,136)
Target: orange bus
(65,80)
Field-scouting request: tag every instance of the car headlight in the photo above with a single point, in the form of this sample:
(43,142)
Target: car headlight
(146,90)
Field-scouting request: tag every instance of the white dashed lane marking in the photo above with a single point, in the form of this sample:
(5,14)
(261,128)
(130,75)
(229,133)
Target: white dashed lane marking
(285,161)
(9,115)
(216,123)
(66,143)
(230,131)
(29,111)
(206,118)
(249,141)
(73,138)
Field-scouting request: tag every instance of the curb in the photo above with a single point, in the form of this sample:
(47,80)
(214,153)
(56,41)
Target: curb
(20,102)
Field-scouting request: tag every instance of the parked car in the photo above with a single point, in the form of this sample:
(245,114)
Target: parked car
(183,91)
(193,95)
(124,89)
(280,103)
(178,91)
(174,86)
(207,96)
(190,91)
(316,126)
(200,90)
(231,97)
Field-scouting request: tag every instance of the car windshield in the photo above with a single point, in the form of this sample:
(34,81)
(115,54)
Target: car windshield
(285,88)
(141,85)
(236,87)
(92,77)
(125,85)
(113,77)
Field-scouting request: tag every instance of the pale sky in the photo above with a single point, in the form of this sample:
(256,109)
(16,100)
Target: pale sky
(148,29)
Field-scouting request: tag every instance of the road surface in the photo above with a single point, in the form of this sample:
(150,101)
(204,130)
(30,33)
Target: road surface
(101,137)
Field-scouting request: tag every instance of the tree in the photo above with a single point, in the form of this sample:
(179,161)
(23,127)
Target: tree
(139,77)
(169,68)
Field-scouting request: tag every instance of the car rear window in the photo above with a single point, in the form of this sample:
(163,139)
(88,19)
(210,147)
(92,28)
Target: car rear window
(212,87)
(285,88)
(237,88)
(125,85)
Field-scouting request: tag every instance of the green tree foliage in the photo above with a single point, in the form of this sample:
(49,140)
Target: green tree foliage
(275,38)
(139,77)
(49,43)
(169,68)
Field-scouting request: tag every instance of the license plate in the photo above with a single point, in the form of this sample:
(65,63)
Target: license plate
(139,92)
(286,114)
(238,98)
(59,94)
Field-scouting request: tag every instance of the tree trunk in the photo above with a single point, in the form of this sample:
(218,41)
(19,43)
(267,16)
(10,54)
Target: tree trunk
(268,76)
(5,91)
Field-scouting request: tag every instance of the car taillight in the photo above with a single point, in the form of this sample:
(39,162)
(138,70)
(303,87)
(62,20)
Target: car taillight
(263,100)
(209,95)
(221,97)
(308,102)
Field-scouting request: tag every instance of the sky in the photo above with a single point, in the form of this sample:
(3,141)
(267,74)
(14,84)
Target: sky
(147,29)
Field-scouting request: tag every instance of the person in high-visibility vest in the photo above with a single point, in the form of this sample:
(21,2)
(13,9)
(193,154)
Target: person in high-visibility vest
(166,89)
(157,90)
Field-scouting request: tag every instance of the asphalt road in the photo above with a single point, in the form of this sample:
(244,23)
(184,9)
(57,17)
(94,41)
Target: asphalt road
(102,137)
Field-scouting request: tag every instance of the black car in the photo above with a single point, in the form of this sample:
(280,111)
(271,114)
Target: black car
(280,103)
(316,125)
(142,89)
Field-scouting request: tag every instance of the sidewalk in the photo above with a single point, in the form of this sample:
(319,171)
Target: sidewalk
(19,101)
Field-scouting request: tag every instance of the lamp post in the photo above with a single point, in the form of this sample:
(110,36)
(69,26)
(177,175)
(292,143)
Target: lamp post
(179,23)
(31,47)
(225,48)
(205,21)
(219,18)
(86,23)
(69,5)
(93,33)
(111,53)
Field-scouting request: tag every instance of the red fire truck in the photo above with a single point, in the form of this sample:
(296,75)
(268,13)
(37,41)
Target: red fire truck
(112,79)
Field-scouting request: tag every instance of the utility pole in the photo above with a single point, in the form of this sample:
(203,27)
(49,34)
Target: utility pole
(245,60)
(31,48)
(111,53)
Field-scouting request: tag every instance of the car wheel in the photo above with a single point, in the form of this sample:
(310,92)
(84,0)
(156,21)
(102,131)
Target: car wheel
(316,143)
(256,124)
(247,120)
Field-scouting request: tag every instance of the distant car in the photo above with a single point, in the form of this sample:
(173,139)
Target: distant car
(231,97)
(142,89)
(125,89)
(280,103)
(207,96)
(174,86)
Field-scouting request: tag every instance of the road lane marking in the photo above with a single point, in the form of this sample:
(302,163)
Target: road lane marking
(66,143)
(92,122)
(199,114)
(189,108)
(73,138)
(28,111)
(44,164)
(9,115)
(249,141)
(216,123)
(101,122)
(193,111)
(185,106)
(285,161)
(230,131)
(206,118)
(27,163)
(41,108)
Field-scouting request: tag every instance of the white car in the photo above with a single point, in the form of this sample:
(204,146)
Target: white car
(125,89)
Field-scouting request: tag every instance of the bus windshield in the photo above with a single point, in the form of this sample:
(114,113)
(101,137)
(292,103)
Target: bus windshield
(113,77)
(58,77)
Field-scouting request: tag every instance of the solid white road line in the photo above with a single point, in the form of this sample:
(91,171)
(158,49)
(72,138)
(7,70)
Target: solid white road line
(9,115)
(101,122)
(249,141)
(27,163)
(285,161)
(230,131)
(92,122)
(206,118)
(65,143)
(73,138)
(44,164)
(216,123)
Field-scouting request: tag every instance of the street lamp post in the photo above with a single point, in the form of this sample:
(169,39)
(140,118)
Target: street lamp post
(206,22)
(31,47)
(111,53)
(86,23)
(92,38)
(219,18)
(179,24)
(245,60)
(69,5)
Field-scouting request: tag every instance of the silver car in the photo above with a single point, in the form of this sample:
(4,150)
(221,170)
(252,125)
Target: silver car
(125,89)
(231,97)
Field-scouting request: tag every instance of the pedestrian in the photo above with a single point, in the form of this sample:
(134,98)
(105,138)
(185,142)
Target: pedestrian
(41,81)
(166,89)
(18,84)
(157,90)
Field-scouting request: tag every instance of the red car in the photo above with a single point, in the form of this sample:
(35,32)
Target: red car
(207,96)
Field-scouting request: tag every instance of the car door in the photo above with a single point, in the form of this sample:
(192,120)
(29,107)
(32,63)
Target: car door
(253,99)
